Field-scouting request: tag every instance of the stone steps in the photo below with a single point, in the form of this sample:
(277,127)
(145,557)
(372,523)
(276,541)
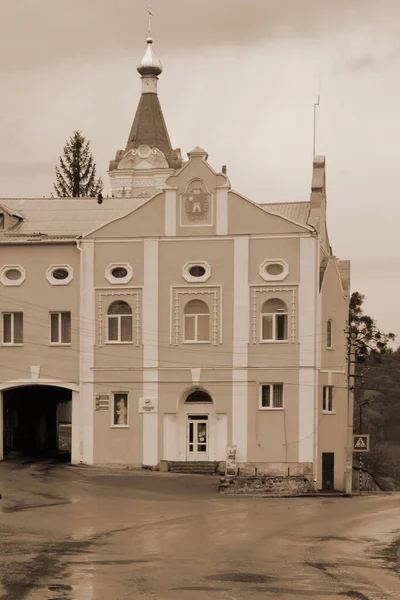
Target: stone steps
(196,468)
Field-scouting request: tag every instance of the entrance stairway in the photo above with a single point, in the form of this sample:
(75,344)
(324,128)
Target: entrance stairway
(196,468)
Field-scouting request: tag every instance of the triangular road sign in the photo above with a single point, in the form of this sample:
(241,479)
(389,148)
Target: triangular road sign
(360,443)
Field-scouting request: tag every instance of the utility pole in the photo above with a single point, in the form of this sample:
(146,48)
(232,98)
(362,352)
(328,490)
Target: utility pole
(351,359)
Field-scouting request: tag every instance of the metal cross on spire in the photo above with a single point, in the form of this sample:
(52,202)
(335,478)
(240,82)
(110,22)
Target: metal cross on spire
(150,12)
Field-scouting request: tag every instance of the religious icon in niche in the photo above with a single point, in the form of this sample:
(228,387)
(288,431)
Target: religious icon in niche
(197,201)
(120,409)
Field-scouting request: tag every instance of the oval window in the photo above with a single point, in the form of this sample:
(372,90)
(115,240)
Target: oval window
(119,272)
(13,274)
(60,274)
(274,269)
(197,271)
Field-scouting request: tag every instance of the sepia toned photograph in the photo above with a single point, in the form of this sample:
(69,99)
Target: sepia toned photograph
(199,324)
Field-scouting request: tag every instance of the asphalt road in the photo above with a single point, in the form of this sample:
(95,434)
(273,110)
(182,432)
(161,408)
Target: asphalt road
(70,533)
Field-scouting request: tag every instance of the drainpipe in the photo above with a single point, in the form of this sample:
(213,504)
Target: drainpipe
(317,340)
(78,245)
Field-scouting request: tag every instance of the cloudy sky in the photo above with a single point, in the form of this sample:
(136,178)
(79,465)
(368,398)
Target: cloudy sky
(240,79)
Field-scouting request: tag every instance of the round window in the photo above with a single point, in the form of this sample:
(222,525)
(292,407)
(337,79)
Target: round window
(274,269)
(197,271)
(60,274)
(119,272)
(13,274)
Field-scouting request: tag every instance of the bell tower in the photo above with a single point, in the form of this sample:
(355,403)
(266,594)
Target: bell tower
(148,160)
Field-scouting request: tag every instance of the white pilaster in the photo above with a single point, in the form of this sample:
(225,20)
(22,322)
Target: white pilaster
(75,442)
(85,425)
(240,345)
(308,380)
(150,349)
(222,211)
(170,212)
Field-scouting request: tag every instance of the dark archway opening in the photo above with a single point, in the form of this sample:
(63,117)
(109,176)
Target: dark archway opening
(199,396)
(37,422)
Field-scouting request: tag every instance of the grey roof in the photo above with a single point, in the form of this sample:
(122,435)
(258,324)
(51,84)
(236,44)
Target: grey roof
(149,127)
(65,217)
(296,211)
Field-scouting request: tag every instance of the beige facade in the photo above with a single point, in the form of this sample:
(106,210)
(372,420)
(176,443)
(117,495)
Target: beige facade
(183,318)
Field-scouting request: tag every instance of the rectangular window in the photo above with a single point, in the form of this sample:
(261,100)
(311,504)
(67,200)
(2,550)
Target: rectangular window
(120,409)
(13,328)
(281,327)
(275,327)
(272,395)
(60,328)
(327,398)
(267,327)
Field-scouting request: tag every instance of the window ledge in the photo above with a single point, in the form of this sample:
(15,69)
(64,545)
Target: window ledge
(58,344)
(270,408)
(118,343)
(274,341)
(7,345)
(196,342)
(328,412)
(119,426)
(330,348)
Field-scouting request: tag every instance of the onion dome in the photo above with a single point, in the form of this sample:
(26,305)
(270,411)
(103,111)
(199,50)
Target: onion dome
(150,65)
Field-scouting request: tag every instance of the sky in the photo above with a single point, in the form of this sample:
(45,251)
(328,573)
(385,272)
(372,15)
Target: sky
(240,80)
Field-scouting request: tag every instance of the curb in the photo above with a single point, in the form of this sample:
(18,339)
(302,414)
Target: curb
(344,495)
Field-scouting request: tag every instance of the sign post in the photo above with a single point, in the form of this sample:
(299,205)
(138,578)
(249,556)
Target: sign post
(361,443)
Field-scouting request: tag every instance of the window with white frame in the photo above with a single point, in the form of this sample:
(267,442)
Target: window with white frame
(274,321)
(60,328)
(120,322)
(13,328)
(197,321)
(329,339)
(271,396)
(120,409)
(327,399)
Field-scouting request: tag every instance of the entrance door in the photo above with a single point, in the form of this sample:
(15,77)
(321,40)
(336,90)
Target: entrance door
(197,437)
(328,471)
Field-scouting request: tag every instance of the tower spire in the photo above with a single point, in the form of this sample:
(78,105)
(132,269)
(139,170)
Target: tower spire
(150,66)
(149,10)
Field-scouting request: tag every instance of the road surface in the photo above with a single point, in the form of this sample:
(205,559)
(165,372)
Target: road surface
(70,533)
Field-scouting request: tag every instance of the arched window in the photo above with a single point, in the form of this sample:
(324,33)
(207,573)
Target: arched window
(197,321)
(274,316)
(329,340)
(198,396)
(119,322)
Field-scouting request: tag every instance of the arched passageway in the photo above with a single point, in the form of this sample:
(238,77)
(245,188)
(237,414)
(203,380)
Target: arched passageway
(36,421)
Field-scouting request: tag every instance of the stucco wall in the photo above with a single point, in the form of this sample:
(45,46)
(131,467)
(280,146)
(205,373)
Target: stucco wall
(36,297)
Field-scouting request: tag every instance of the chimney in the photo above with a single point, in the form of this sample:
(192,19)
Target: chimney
(224,169)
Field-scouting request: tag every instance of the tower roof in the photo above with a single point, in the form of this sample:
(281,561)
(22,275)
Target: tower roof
(149,126)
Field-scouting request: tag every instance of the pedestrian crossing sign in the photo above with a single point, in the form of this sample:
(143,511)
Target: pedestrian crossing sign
(361,442)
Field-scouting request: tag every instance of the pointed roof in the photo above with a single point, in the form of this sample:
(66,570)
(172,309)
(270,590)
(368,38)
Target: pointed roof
(149,127)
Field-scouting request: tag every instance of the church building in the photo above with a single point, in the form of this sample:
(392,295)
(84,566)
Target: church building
(178,318)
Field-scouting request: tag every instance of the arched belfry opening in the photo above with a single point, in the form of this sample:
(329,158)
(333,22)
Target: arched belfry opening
(37,422)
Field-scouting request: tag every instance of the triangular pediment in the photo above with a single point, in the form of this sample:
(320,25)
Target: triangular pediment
(145,219)
(245,216)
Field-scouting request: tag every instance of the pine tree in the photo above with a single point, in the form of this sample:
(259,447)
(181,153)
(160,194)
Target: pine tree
(76,175)
(369,339)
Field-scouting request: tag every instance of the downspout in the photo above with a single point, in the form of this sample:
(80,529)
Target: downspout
(316,356)
(78,245)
